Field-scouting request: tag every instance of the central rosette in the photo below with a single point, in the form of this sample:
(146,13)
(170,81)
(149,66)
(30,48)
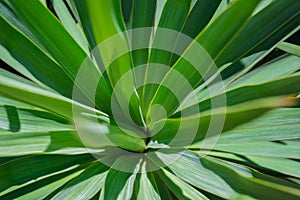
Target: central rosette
(153,103)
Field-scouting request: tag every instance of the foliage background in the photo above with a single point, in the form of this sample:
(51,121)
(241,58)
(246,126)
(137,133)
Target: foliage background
(42,45)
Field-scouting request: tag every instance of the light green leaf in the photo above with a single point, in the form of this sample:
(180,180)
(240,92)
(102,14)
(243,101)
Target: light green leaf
(282,165)
(20,117)
(17,104)
(181,189)
(289,48)
(147,187)
(221,8)
(72,6)
(268,72)
(198,175)
(250,182)
(265,149)
(28,120)
(94,21)
(278,124)
(262,5)
(59,142)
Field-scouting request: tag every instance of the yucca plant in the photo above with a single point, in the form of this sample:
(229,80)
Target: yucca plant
(149,99)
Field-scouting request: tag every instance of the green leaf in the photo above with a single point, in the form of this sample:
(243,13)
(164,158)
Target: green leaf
(18,173)
(248,92)
(245,64)
(172,18)
(159,9)
(142,16)
(51,34)
(8,14)
(223,5)
(95,16)
(239,181)
(52,135)
(262,5)
(58,41)
(127,7)
(95,134)
(112,53)
(119,184)
(194,70)
(225,28)
(34,59)
(262,31)
(11,61)
(69,23)
(230,72)
(86,185)
(27,92)
(93,21)
(198,18)
(42,188)
(20,117)
(200,123)
(164,191)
